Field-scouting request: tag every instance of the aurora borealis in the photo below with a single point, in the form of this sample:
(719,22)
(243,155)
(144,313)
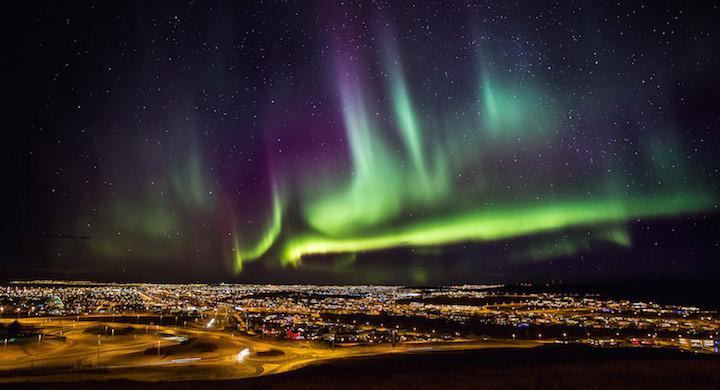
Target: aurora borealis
(368,141)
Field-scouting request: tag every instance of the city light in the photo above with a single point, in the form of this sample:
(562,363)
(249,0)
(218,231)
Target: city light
(278,321)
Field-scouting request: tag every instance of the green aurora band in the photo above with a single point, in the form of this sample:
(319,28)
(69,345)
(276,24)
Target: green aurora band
(497,224)
(249,253)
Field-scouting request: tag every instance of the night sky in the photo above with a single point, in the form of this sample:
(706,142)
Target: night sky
(362,142)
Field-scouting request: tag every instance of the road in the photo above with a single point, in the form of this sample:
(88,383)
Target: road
(212,354)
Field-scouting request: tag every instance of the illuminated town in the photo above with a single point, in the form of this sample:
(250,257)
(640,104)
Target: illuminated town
(251,330)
